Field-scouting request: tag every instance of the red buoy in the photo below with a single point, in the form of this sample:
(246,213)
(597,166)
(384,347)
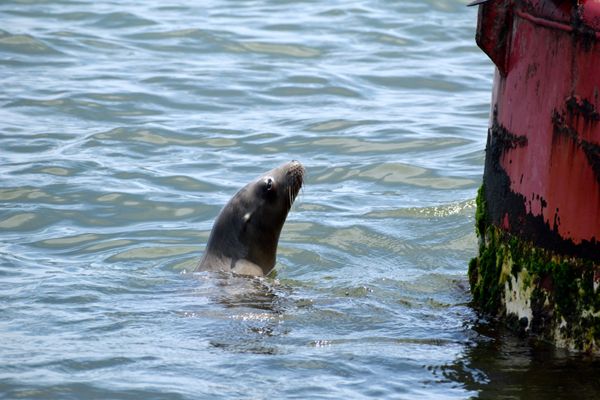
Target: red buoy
(540,199)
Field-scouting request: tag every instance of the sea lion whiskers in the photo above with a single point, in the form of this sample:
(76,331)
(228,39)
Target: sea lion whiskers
(295,179)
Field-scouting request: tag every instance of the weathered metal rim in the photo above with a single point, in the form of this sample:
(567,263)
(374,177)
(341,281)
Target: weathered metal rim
(548,23)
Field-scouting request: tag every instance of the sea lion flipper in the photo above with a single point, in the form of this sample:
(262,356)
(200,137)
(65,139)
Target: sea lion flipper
(245,267)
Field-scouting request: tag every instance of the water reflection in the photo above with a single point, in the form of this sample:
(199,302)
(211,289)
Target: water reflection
(250,310)
(499,365)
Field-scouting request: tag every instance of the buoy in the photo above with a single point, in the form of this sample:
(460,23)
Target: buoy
(538,209)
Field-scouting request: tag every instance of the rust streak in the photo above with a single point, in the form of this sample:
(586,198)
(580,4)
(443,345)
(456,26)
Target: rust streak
(591,150)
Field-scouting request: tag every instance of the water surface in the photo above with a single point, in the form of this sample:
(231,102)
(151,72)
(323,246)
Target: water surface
(125,127)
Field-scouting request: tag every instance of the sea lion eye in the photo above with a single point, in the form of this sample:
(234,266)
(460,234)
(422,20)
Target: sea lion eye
(269,184)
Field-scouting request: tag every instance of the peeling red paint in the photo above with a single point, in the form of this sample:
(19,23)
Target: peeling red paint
(547,92)
(506,222)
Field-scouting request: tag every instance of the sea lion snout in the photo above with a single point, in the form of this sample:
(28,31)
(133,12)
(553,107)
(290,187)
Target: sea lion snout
(295,175)
(295,170)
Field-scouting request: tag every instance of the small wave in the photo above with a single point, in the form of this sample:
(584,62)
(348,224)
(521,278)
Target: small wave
(121,20)
(25,45)
(286,50)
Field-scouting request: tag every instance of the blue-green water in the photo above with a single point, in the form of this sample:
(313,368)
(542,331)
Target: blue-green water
(125,127)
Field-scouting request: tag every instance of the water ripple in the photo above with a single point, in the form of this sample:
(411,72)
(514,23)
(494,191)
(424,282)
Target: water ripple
(25,44)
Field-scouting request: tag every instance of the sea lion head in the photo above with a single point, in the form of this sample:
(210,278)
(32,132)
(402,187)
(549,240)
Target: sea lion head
(246,232)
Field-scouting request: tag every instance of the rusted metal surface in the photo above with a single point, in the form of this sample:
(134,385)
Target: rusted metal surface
(493,31)
(542,173)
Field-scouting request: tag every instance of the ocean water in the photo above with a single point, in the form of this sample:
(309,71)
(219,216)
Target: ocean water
(125,126)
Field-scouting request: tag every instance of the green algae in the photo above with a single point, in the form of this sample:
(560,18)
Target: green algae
(561,291)
(480,212)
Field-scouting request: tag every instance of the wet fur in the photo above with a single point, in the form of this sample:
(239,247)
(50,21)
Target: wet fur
(245,235)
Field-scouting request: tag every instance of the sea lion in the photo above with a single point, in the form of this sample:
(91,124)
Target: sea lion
(244,236)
